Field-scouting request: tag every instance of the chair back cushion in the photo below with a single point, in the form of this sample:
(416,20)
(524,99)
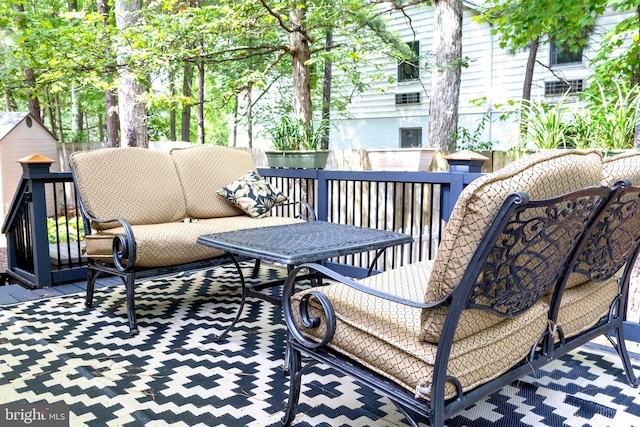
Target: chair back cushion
(622,166)
(203,170)
(541,175)
(137,184)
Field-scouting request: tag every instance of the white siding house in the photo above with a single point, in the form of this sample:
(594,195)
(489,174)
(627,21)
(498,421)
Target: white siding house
(377,118)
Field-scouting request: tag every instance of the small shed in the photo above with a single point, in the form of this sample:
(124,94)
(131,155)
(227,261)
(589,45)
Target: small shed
(21,135)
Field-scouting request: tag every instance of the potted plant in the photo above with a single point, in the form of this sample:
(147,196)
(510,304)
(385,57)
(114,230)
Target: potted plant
(401,159)
(296,145)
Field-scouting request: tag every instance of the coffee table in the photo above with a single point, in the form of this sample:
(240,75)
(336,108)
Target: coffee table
(296,244)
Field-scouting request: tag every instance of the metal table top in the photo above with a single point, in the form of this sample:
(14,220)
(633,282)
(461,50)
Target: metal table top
(295,244)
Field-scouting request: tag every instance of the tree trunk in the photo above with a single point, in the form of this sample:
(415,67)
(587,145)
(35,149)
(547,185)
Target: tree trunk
(326,93)
(131,109)
(187,92)
(201,101)
(234,138)
(445,77)
(635,80)
(86,126)
(76,113)
(111,106)
(29,76)
(172,111)
(250,116)
(100,129)
(531,62)
(33,101)
(300,56)
(59,118)
(51,111)
(110,102)
(9,102)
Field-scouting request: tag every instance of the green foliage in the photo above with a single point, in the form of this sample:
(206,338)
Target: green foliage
(604,120)
(618,56)
(518,22)
(78,137)
(65,230)
(609,117)
(543,125)
(473,140)
(245,46)
(242,46)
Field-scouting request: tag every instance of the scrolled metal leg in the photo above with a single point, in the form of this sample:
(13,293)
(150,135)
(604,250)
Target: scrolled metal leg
(92,276)
(217,338)
(131,303)
(621,347)
(293,358)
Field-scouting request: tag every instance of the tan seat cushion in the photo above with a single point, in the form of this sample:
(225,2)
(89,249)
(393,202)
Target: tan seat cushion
(541,175)
(622,166)
(384,335)
(203,170)
(137,184)
(162,245)
(584,305)
(157,245)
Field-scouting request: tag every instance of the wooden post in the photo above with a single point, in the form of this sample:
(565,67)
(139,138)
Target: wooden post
(34,168)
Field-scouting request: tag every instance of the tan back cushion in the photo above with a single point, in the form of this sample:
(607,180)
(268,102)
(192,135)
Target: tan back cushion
(137,184)
(541,175)
(622,166)
(203,170)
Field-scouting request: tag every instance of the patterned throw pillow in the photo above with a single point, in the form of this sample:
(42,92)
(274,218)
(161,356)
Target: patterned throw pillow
(253,194)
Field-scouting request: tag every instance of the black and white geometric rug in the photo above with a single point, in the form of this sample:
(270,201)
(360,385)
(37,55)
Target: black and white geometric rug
(173,373)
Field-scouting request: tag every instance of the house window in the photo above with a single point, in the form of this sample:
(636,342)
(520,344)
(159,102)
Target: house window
(410,69)
(407,98)
(562,55)
(410,137)
(559,87)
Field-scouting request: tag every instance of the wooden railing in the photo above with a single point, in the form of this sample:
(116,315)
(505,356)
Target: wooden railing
(44,231)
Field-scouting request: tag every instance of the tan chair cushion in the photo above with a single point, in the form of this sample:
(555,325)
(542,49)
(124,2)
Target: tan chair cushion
(541,175)
(162,245)
(583,306)
(157,245)
(137,184)
(203,170)
(382,335)
(622,166)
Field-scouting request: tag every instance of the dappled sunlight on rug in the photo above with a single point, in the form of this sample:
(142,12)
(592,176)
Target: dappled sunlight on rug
(173,373)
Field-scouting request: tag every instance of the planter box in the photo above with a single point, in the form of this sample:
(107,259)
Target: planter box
(297,159)
(401,159)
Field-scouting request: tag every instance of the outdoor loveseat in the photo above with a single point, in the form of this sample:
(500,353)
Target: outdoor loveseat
(534,261)
(144,209)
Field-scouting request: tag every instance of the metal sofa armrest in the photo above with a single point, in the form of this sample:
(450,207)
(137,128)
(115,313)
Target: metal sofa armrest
(123,248)
(312,323)
(311,213)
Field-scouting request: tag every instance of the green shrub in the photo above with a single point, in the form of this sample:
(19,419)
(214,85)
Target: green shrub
(65,230)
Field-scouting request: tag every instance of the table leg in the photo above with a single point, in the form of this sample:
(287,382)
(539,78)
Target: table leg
(375,259)
(242,301)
